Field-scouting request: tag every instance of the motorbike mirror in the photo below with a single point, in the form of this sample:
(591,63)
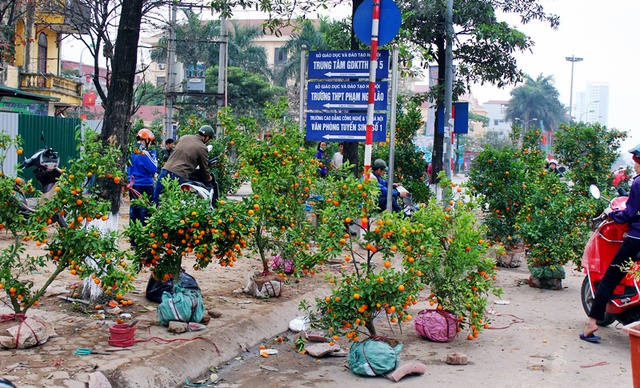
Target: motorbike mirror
(595,191)
(42,139)
(562,169)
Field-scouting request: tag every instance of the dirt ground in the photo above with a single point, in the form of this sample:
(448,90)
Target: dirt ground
(533,341)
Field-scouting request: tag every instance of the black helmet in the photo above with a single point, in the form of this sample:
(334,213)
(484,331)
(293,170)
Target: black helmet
(206,130)
(379,163)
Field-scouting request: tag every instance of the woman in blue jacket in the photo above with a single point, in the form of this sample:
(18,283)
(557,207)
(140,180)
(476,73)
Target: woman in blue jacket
(144,164)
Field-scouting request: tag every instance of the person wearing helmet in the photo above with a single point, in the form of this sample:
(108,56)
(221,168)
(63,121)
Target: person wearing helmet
(144,165)
(190,152)
(378,171)
(629,249)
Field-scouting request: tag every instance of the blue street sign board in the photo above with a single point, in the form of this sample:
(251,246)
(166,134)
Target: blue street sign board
(345,95)
(346,64)
(389,25)
(345,127)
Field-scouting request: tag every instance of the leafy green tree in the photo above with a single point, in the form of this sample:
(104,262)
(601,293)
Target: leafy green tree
(247,93)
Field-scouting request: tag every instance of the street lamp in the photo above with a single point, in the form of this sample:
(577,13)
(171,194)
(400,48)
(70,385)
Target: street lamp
(573,60)
(587,111)
(525,123)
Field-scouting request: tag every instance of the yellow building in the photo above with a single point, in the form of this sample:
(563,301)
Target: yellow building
(30,79)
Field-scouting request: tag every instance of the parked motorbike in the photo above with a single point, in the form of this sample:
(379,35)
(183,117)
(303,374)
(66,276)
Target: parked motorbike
(45,161)
(406,203)
(598,254)
(199,185)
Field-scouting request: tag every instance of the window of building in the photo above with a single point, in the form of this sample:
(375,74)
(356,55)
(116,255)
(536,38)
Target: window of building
(160,81)
(496,122)
(42,53)
(280,56)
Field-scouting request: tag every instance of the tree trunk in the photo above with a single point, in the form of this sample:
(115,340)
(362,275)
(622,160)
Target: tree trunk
(120,86)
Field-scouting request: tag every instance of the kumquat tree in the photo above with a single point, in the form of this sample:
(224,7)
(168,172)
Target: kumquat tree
(185,224)
(282,173)
(394,259)
(63,248)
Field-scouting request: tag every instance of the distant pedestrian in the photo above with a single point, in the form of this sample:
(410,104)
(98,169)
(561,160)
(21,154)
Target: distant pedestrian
(320,155)
(168,149)
(620,177)
(338,157)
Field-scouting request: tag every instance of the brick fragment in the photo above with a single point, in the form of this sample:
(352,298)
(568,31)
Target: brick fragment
(409,368)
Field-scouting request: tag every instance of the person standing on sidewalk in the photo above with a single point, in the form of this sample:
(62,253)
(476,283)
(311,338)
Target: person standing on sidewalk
(338,157)
(190,152)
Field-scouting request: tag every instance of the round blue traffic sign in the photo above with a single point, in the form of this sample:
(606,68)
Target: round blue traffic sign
(390,20)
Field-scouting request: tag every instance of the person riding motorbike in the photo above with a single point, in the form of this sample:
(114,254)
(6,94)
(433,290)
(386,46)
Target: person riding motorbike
(190,152)
(629,249)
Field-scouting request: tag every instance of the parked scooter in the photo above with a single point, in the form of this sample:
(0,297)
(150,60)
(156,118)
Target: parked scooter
(599,251)
(199,185)
(47,172)
(406,203)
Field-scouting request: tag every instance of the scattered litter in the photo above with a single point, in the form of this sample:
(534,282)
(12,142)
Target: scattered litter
(269,352)
(125,315)
(269,368)
(601,363)
(299,324)
(193,326)
(502,302)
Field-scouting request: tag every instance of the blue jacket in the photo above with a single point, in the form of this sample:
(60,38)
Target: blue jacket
(631,214)
(144,164)
(382,199)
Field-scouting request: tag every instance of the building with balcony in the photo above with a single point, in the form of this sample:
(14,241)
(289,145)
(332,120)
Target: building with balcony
(30,66)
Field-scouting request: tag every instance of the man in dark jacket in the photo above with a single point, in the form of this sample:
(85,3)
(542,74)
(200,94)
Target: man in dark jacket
(190,152)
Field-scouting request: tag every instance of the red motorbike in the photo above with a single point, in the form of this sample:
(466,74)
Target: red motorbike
(601,247)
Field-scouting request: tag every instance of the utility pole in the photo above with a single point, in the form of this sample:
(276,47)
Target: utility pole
(222,67)
(169,87)
(448,86)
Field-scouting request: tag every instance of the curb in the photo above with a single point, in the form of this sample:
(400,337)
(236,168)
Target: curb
(194,358)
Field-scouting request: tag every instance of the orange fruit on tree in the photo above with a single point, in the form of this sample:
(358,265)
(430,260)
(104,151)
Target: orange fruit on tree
(387,264)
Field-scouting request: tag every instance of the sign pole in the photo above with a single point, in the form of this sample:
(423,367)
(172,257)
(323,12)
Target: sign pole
(392,127)
(303,54)
(375,23)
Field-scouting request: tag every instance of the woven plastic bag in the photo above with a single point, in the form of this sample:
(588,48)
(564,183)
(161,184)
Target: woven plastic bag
(436,325)
(374,357)
(184,306)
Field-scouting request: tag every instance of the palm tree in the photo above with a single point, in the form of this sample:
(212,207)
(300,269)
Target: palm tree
(307,35)
(536,99)
(243,53)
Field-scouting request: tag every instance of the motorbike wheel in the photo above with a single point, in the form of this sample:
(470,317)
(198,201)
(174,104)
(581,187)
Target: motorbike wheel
(587,302)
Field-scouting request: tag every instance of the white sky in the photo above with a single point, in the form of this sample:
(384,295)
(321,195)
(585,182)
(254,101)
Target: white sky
(604,34)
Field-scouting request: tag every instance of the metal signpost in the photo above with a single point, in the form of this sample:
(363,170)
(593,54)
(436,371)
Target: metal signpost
(344,127)
(345,95)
